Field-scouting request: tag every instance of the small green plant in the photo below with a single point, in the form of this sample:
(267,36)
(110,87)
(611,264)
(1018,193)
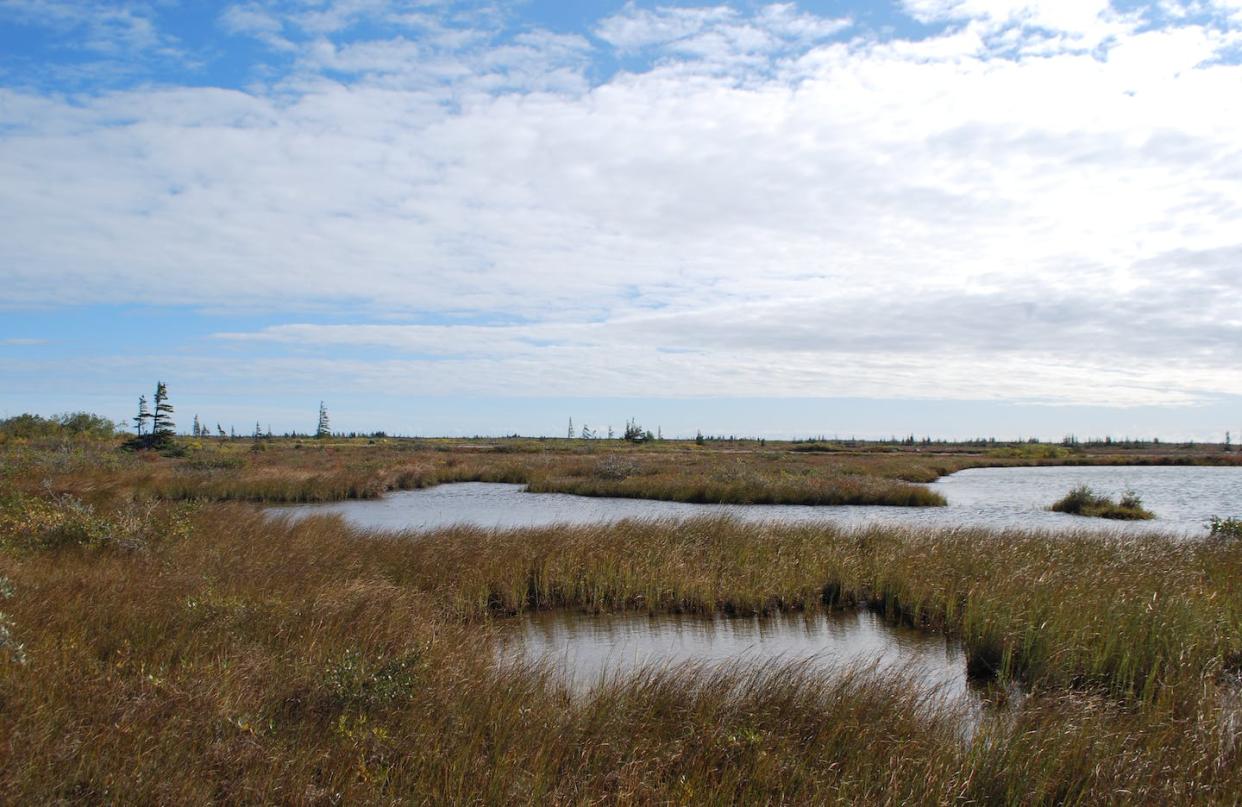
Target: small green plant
(1082,501)
(356,682)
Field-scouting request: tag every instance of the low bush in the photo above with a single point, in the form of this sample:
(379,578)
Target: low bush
(1082,501)
(1225,529)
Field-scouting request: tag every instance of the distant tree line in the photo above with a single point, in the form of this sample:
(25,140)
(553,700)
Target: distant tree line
(154,427)
(634,433)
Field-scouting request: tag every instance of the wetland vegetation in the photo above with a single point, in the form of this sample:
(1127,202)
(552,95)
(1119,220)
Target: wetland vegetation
(1082,501)
(164,641)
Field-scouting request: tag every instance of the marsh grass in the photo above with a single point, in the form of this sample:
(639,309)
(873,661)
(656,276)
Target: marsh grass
(290,472)
(260,660)
(295,471)
(161,647)
(1082,501)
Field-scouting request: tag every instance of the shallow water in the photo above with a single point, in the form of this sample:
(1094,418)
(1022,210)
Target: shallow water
(1182,497)
(589,648)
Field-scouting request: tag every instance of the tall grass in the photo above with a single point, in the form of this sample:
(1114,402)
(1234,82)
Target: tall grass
(293,472)
(157,646)
(256,660)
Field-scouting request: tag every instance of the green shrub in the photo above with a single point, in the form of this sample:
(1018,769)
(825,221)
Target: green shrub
(1082,501)
(72,424)
(1225,529)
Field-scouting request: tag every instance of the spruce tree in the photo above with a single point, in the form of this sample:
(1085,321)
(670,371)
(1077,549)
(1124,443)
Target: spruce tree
(324,429)
(162,426)
(144,414)
(197,428)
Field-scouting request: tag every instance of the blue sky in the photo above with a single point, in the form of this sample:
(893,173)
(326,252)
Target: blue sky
(946,217)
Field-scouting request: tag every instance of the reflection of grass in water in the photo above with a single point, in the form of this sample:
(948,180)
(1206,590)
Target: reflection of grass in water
(182,654)
(1082,501)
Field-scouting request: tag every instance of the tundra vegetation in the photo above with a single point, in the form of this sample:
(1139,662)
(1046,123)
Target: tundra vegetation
(163,641)
(1082,501)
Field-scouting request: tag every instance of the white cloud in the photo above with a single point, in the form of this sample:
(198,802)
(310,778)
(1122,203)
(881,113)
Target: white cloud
(717,35)
(254,20)
(1083,24)
(636,28)
(985,212)
(109,28)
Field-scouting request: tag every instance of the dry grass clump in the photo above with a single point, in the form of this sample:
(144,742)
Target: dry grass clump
(253,660)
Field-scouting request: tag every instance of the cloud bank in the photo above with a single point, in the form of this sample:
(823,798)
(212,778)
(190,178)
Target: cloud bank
(1035,200)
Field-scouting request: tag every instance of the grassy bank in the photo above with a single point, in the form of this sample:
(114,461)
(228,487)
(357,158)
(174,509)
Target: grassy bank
(293,470)
(193,653)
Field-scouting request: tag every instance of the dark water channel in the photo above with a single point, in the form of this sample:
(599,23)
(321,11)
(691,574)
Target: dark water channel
(1182,497)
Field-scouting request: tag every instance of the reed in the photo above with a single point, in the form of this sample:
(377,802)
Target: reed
(248,659)
(291,470)
(159,645)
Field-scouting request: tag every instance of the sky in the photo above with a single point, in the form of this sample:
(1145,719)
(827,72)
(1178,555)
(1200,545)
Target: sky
(952,218)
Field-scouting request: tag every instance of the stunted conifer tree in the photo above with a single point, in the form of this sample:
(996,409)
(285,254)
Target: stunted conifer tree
(144,414)
(324,429)
(162,427)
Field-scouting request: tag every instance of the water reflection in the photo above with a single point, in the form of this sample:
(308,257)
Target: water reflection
(1001,498)
(588,648)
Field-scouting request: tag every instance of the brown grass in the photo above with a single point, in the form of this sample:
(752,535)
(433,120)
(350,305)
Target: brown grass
(158,647)
(244,659)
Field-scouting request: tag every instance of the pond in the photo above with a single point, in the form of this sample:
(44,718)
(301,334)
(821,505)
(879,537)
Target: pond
(1182,497)
(587,649)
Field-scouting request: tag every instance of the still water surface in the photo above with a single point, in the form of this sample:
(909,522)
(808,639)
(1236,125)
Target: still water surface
(1183,498)
(589,648)
(586,648)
